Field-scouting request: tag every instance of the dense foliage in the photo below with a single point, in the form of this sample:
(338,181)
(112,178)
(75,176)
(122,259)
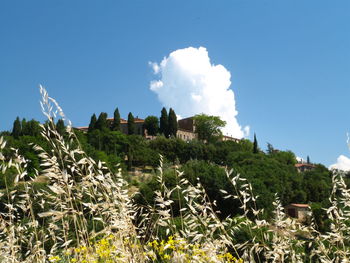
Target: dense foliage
(269,173)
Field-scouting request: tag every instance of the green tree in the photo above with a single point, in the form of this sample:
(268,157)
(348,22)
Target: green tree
(208,128)
(17,128)
(32,128)
(131,124)
(60,127)
(255,145)
(92,124)
(163,127)
(172,123)
(270,149)
(116,120)
(151,125)
(102,123)
(24,127)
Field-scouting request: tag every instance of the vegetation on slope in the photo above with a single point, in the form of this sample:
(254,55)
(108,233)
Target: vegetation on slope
(58,204)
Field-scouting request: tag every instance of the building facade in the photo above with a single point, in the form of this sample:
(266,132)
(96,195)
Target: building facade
(304,167)
(299,211)
(185,135)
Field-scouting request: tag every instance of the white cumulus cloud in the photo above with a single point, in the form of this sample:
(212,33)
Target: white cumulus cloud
(299,159)
(190,84)
(343,163)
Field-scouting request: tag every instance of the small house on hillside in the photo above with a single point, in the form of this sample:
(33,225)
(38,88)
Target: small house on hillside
(298,211)
(304,167)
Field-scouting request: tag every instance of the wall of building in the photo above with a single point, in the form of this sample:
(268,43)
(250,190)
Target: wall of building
(186,124)
(186,135)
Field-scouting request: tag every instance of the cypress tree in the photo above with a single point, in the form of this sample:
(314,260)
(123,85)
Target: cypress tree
(308,160)
(17,128)
(116,120)
(92,124)
(60,127)
(32,128)
(131,124)
(172,123)
(151,124)
(101,123)
(24,127)
(255,145)
(163,121)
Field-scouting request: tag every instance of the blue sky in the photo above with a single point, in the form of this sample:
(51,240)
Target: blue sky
(289,62)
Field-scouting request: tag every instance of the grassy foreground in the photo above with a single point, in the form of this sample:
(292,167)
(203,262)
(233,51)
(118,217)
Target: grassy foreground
(86,214)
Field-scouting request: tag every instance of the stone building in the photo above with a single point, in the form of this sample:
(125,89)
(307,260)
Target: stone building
(186,129)
(304,167)
(185,134)
(299,211)
(187,124)
(229,138)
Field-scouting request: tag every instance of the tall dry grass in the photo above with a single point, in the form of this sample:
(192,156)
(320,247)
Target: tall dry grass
(86,214)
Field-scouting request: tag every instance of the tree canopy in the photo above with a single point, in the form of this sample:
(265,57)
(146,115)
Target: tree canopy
(208,127)
(60,127)
(163,122)
(116,120)
(93,121)
(172,123)
(102,121)
(17,128)
(131,124)
(151,125)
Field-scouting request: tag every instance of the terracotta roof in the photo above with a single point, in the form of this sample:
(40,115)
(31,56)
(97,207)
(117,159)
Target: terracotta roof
(139,120)
(300,205)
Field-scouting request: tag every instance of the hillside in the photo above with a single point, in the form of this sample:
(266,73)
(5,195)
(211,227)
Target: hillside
(65,199)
